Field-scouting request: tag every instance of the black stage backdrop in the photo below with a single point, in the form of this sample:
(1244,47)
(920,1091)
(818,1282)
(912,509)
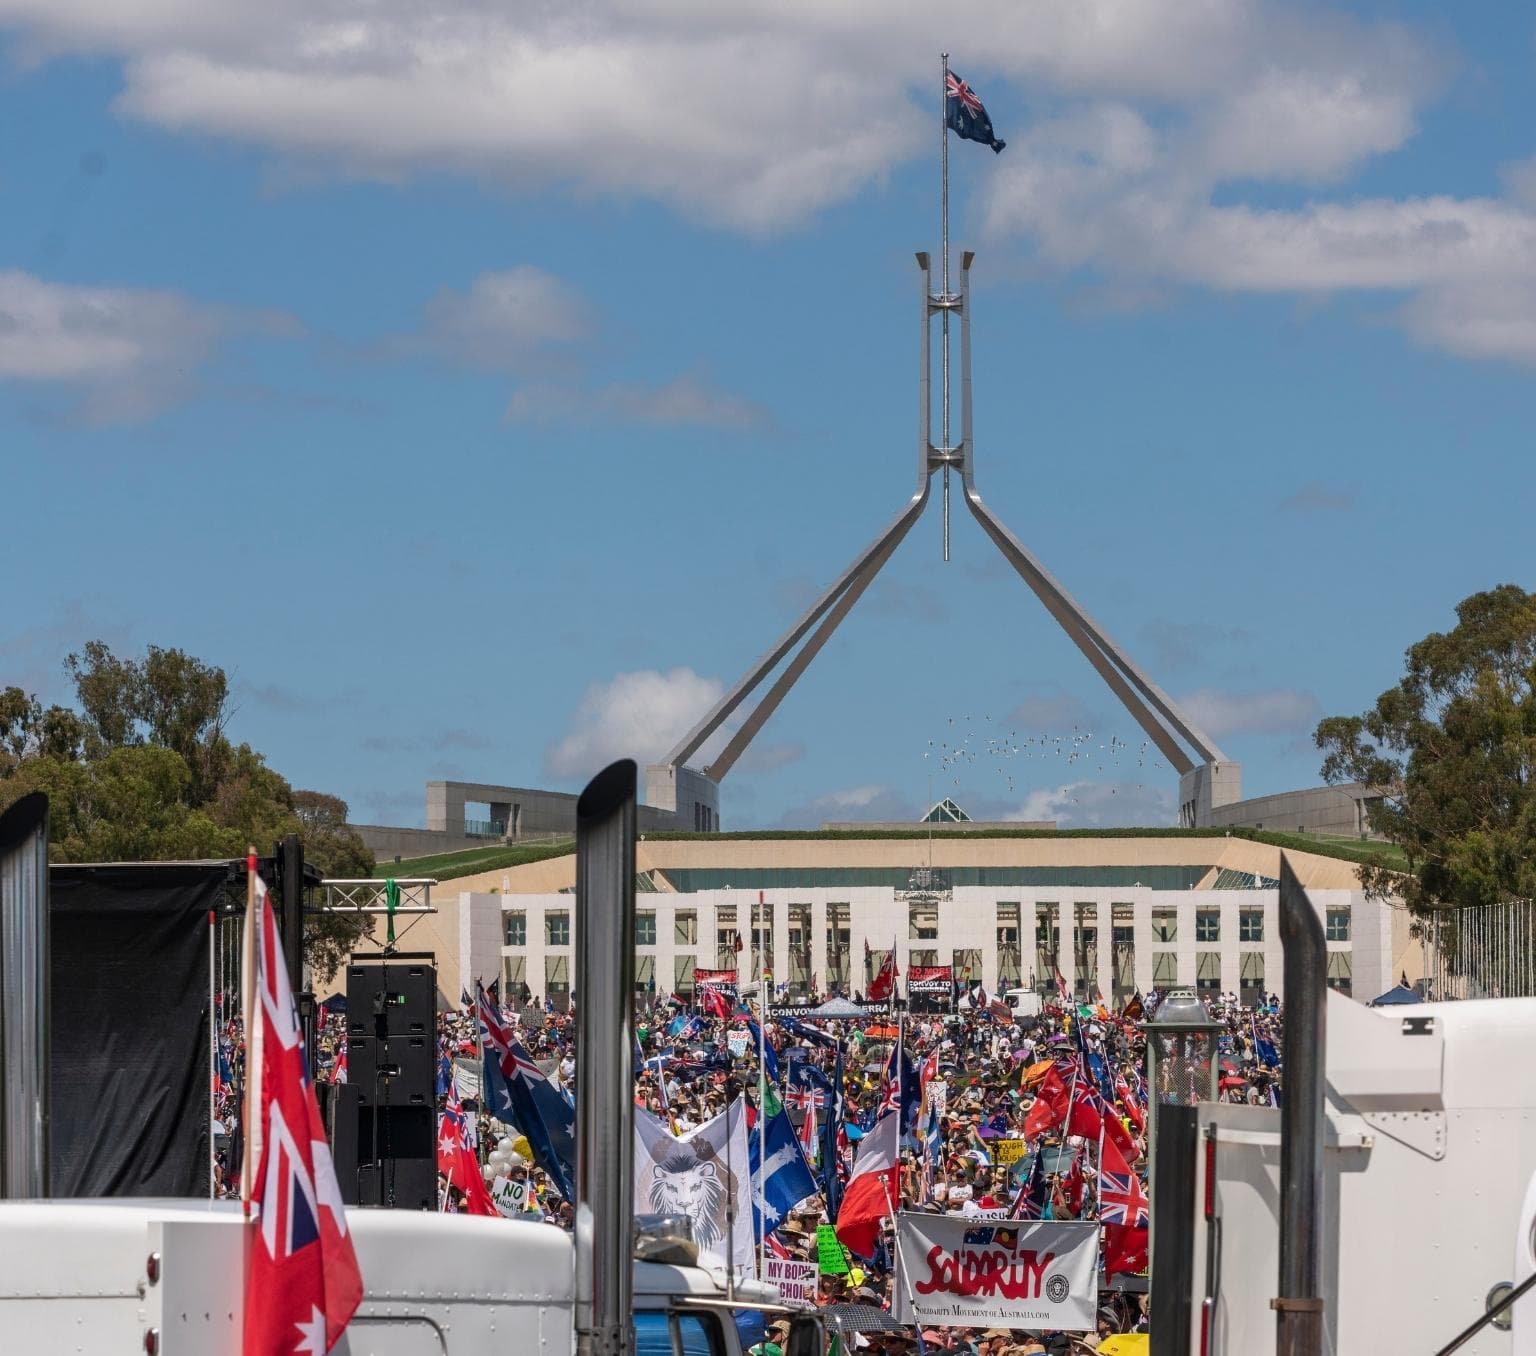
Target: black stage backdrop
(130,1027)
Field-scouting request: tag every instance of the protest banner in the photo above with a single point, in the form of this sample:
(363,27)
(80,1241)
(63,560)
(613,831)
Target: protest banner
(830,1258)
(736,1043)
(1007,1151)
(1014,1274)
(510,1197)
(796,1280)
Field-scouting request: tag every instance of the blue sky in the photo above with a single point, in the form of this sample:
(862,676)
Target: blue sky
(486,390)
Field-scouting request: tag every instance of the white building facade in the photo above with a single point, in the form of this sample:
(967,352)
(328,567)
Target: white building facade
(1109,941)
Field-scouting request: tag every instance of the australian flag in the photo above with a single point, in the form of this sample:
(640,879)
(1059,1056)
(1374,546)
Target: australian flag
(966,117)
(517,1092)
(781,1180)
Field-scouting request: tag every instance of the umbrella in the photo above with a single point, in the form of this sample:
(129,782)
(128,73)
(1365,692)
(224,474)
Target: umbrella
(1232,1081)
(851,1318)
(1399,993)
(337,1002)
(1037,1071)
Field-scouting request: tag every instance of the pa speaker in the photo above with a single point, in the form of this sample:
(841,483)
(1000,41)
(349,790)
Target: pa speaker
(392,996)
(397,1071)
(399,1184)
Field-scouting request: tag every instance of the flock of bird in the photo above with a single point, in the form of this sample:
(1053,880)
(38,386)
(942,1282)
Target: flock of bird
(968,747)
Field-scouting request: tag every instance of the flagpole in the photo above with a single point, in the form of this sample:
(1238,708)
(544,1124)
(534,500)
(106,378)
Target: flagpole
(213,1052)
(944,219)
(762,1086)
(251,1114)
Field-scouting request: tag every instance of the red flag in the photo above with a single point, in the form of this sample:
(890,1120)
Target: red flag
(871,1191)
(714,1003)
(1131,1105)
(302,1282)
(1084,1117)
(456,1159)
(883,984)
(1125,1249)
(1050,1106)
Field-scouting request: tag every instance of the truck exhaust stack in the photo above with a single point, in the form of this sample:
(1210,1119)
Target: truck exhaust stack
(24,964)
(605,1074)
(1299,1305)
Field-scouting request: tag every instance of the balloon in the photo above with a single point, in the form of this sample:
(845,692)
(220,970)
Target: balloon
(489,1173)
(504,1145)
(517,1161)
(520,1145)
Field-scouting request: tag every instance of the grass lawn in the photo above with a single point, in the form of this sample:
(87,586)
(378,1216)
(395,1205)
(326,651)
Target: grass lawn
(472,861)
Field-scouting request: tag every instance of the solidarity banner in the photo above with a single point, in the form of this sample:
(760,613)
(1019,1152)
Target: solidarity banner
(1009,1274)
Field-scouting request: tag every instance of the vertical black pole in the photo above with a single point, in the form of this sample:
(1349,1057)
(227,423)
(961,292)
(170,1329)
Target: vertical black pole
(290,868)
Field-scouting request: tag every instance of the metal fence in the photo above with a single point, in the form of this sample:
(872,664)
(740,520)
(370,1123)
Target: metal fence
(1483,952)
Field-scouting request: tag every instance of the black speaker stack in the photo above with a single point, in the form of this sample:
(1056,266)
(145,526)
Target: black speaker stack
(386,1115)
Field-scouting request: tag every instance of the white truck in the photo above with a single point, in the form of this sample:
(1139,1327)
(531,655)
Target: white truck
(1419,1219)
(165,1277)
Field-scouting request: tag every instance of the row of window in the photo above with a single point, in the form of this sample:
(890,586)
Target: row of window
(1251,977)
(685,930)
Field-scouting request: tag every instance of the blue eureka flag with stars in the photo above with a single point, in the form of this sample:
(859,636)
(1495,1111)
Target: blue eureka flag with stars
(781,1178)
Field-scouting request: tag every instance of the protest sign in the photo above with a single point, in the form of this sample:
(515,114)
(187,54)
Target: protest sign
(1014,1274)
(830,1260)
(1006,1151)
(796,1280)
(510,1197)
(938,1095)
(736,1043)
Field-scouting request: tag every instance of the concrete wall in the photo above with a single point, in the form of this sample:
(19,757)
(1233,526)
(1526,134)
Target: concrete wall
(388,843)
(692,797)
(1322,809)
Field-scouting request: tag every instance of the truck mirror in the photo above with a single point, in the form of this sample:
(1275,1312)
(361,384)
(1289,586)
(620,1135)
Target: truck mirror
(805,1336)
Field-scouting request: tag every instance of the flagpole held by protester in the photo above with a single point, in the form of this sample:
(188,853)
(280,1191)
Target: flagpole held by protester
(764,934)
(250,1117)
(213,1053)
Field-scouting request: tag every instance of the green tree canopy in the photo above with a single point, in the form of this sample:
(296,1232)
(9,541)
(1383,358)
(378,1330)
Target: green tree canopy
(1452,749)
(143,771)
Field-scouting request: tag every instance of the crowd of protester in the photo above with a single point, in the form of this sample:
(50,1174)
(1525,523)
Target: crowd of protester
(993,1067)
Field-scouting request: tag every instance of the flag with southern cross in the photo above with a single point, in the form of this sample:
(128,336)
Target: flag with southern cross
(965,115)
(302,1282)
(516,1091)
(781,1179)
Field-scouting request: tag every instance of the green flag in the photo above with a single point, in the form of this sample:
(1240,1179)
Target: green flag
(391,903)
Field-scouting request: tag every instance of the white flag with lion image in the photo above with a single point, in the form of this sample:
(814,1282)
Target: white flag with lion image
(697,1175)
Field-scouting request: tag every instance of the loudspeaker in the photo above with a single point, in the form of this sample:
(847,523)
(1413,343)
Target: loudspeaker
(405,1174)
(398,1071)
(392,996)
(400,1183)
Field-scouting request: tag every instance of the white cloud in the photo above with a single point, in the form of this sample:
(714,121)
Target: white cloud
(754,114)
(638,715)
(1280,710)
(1084,805)
(1316,497)
(121,353)
(502,318)
(1160,116)
(866,804)
(685,400)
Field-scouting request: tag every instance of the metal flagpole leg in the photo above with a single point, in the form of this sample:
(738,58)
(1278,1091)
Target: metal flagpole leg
(944,223)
